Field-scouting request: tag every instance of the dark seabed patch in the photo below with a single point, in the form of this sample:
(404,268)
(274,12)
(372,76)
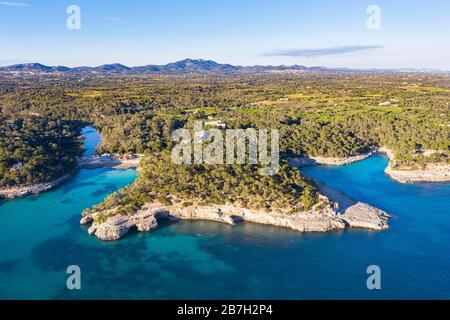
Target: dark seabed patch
(73,186)
(104,189)
(9,266)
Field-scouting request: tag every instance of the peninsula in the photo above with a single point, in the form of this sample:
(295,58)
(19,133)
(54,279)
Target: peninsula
(329,117)
(167,191)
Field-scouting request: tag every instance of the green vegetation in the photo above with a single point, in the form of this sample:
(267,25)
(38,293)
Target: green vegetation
(319,114)
(35,149)
(162,181)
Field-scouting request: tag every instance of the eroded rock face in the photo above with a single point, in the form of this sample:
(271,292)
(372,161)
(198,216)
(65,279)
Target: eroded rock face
(355,214)
(336,211)
(117,226)
(147,224)
(86,219)
(320,219)
(211,213)
(110,231)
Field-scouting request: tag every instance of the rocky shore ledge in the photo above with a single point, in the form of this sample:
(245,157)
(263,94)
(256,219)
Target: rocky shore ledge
(329,161)
(336,212)
(19,192)
(433,172)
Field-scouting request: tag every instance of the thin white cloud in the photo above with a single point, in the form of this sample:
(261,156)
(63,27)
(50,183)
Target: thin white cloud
(320,52)
(112,19)
(15,4)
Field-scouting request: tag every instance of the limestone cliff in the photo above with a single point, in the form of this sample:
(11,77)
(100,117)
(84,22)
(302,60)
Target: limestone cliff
(326,216)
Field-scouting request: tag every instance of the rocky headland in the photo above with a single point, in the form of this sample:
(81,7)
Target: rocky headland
(335,212)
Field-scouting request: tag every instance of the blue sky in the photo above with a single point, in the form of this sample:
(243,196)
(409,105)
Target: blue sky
(329,33)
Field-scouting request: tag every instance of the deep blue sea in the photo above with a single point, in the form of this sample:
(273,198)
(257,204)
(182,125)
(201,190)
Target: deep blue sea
(40,237)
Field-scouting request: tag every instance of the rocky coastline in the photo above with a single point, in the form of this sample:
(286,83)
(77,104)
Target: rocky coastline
(335,212)
(433,172)
(19,192)
(329,161)
(113,161)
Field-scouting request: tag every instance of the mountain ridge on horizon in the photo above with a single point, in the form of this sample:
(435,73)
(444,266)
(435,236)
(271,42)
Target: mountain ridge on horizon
(186,66)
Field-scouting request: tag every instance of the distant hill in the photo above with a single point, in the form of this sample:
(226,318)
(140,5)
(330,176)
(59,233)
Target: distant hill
(27,67)
(186,66)
(179,67)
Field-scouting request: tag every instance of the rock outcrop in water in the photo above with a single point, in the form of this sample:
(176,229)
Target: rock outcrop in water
(117,226)
(362,215)
(334,213)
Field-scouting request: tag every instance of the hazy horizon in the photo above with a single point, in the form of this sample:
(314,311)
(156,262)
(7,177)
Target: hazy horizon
(220,62)
(326,33)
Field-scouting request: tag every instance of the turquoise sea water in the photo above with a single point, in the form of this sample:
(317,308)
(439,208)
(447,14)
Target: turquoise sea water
(40,237)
